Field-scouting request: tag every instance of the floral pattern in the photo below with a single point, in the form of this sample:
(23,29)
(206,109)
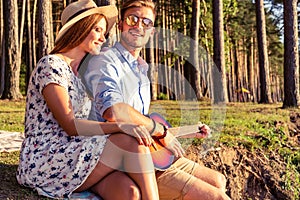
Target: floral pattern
(52,162)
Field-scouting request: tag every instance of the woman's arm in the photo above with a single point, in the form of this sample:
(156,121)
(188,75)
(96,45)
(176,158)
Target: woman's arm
(59,104)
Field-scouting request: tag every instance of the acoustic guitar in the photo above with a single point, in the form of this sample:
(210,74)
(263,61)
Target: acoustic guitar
(163,157)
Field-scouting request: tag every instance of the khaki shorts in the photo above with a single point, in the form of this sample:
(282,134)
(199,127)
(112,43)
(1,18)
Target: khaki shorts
(177,180)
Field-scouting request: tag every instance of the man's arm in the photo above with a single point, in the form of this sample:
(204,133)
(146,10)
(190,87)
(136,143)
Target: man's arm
(122,112)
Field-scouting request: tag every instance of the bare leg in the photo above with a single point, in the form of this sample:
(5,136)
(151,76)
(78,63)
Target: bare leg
(208,183)
(205,191)
(138,166)
(124,152)
(192,181)
(211,176)
(117,186)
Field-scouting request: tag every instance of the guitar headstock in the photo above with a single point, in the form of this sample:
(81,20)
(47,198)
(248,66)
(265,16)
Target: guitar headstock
(192,131)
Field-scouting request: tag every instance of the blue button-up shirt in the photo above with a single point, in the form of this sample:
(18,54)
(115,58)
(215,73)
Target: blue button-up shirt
(115,76)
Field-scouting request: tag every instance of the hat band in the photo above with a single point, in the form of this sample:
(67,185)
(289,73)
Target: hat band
(78,13)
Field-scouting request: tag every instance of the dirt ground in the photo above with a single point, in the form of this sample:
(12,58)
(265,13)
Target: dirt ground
(253,174)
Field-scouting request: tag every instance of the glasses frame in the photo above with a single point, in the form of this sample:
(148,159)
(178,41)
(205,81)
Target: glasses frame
(133,20)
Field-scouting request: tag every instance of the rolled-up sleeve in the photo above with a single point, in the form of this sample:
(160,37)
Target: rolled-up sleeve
(103,81)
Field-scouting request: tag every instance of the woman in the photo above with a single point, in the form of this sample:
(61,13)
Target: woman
(65,153)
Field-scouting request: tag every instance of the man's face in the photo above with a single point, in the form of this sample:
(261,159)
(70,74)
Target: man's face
(136,27)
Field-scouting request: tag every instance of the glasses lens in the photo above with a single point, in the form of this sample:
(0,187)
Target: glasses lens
(132,20)
(147,23)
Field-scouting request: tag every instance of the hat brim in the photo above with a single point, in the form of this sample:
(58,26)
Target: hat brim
(110,12)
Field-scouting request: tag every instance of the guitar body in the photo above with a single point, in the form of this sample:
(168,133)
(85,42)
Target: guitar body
(161,156)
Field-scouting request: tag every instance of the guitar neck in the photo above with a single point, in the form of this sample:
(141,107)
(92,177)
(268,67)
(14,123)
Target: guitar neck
(188,131)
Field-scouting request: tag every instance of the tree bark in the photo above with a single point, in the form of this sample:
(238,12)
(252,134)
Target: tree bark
(22,28)
(45,29)
(194,51)
(12,54)
(218,72)
(29,48)
(264,73)
(2,54)
(291,57)
(153,69)
(251,74)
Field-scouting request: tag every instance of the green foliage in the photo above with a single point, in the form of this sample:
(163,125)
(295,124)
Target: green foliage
(12,115)
(290,177)
(162,96)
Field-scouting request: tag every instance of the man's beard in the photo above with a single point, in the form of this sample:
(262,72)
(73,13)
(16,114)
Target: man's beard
(134,43)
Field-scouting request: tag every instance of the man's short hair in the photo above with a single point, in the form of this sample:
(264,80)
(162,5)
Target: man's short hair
(137,3)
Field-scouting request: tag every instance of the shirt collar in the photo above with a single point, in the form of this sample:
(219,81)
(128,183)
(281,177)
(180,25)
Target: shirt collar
(139,63)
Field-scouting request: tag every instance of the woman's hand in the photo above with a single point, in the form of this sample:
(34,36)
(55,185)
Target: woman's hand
(138,131)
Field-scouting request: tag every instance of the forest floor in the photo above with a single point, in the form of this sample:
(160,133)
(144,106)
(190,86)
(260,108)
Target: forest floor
(258,174)
(261,161)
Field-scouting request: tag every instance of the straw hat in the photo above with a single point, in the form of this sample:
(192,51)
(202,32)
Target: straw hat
(80,9)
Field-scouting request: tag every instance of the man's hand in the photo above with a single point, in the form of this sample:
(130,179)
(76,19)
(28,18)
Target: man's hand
(204,131)
(171,143)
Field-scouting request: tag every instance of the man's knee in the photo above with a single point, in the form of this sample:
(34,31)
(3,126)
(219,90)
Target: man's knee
(221,182)
(217,194)
(222,196)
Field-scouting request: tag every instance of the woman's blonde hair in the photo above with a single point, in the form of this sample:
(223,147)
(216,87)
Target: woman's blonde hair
(76,34)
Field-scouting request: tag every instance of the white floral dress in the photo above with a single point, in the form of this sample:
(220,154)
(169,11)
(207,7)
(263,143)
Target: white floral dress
(52,162)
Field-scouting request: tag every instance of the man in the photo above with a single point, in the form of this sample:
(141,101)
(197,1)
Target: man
(118,81)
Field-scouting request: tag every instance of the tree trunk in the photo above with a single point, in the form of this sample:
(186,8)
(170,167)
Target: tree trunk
(236,70)
(29,42)
(164,68)
(251,87)
(45,29)
(34,61)
(218,72)
(22,29)
(12,54)
(194,51)
(183,80)
(2,54)
(206,60)
(264,73)
(291,57)
(153,69)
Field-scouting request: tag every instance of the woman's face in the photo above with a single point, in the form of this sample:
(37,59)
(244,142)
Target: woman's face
(93,42)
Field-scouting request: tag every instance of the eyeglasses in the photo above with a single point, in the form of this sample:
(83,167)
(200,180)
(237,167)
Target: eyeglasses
(132,20)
